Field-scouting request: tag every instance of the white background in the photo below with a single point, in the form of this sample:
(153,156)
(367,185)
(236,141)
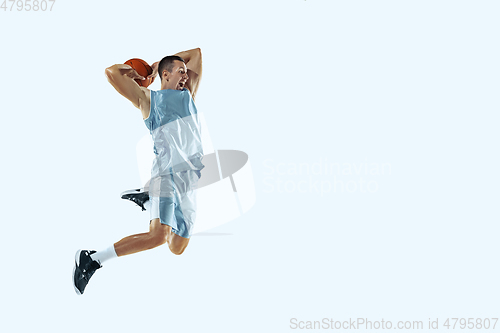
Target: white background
(298,86)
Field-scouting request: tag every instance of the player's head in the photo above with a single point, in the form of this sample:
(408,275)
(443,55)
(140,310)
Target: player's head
(173,73)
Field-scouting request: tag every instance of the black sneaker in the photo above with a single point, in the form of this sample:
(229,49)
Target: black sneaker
(138,196)
(85,267)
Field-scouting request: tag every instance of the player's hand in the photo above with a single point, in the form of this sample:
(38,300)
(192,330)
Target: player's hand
(134,75)
(154,66)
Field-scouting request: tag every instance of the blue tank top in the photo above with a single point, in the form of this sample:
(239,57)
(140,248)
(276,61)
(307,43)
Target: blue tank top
(176,131)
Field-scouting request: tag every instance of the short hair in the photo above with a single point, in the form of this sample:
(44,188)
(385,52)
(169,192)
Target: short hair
(167,63)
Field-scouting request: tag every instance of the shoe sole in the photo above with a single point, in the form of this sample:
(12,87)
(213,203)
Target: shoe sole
(137,191)
(77,263)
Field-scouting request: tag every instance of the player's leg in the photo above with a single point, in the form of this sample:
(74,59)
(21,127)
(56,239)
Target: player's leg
(176,243)
(185,209)
(87,262)
(157,235)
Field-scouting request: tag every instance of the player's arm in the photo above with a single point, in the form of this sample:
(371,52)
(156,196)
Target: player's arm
(122,77)
(192,59)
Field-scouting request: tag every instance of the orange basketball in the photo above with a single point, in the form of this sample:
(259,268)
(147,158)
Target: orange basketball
(143,69)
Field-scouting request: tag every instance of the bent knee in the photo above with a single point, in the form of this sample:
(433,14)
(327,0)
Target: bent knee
(177,249)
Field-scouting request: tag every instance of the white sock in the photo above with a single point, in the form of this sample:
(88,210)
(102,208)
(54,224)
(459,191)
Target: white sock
(147,205)
(102,256)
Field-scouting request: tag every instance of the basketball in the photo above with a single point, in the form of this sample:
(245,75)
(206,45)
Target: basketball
(143,69)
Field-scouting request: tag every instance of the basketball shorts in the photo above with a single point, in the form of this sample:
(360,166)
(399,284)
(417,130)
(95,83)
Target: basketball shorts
(173,200)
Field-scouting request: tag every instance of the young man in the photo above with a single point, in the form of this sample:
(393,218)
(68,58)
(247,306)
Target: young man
(171,116)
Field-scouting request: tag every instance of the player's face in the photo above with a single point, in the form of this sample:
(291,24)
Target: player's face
(178,77)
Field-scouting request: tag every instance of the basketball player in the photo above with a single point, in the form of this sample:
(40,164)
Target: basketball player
(171,116)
